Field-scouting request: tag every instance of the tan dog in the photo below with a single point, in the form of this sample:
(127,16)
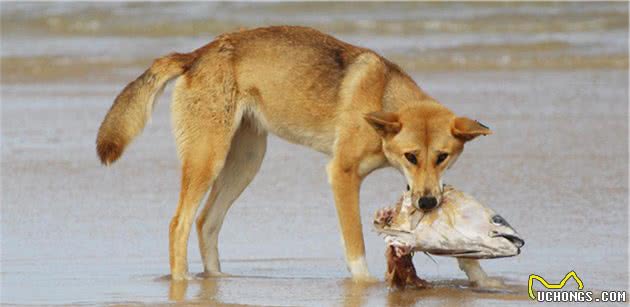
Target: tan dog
(306,87)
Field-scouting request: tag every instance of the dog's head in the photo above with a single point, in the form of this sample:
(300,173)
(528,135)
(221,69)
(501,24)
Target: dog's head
(422,141)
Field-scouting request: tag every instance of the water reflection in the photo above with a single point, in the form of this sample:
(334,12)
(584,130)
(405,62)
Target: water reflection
(355,293)
(344,292)
(177,290)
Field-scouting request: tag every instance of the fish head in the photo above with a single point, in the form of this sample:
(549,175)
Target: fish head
(460,227)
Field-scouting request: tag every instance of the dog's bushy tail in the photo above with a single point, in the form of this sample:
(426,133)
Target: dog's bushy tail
(132,108)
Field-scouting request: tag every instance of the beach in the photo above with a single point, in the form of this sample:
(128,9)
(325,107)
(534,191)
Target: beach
(550,80)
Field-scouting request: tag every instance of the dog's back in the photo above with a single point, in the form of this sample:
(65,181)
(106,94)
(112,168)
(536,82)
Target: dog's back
(290,78)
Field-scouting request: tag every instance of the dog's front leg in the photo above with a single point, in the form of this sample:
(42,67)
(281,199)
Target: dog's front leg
(345,182)
(360,93)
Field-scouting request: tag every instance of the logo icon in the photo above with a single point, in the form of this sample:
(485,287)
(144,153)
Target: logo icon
(547,285)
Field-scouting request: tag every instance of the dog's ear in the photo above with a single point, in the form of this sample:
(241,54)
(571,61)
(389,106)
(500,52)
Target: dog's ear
(385,123)
(467,129)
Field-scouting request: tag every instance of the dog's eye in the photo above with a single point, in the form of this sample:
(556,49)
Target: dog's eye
(408,188)
(441,157)
(411,158)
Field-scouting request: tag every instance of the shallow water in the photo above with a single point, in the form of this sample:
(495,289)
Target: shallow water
(455,36)
(550,79)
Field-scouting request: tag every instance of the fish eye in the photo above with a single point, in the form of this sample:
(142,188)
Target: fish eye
(411,158)
(441,157)
(498,220)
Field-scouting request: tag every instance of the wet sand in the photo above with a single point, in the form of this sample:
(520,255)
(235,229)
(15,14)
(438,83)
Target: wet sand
(74,232)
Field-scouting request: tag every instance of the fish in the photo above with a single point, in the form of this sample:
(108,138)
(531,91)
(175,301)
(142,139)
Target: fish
(459,227)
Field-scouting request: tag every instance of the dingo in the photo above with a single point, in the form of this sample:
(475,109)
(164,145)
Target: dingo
(306,87)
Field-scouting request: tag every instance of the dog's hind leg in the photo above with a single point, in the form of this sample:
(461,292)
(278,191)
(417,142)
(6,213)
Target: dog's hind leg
(243,162)
(202,160)
(205,117)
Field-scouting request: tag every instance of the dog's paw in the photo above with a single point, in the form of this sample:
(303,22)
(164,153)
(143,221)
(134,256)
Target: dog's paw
(489,283)
(365,279)
(179,277)
(384,217)
(206,275)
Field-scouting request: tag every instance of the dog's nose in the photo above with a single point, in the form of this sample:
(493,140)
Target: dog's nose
(427,202)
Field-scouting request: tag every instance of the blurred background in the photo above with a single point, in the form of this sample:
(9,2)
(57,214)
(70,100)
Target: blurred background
(551,79)
(93,41)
